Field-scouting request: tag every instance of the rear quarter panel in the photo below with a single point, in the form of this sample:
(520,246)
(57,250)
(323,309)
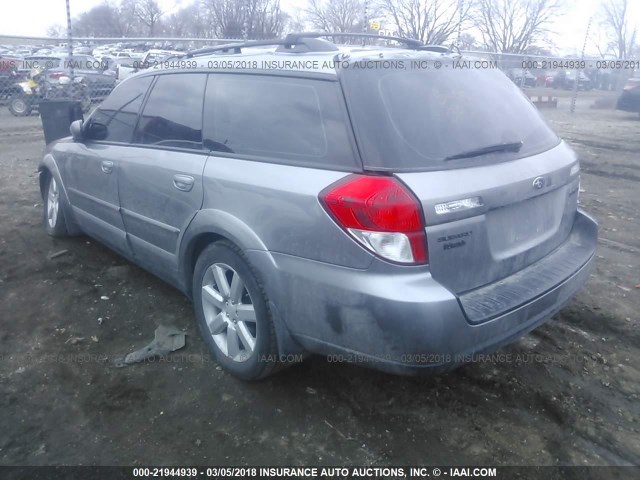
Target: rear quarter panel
(279,205)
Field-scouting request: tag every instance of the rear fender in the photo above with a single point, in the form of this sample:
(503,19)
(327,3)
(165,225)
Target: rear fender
(218,223)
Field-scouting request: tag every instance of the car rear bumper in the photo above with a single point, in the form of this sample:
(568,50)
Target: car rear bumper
(406,322)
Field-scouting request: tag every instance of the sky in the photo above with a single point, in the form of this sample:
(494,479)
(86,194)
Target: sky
(34,17)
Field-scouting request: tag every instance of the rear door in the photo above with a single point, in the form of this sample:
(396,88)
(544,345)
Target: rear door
(160,181)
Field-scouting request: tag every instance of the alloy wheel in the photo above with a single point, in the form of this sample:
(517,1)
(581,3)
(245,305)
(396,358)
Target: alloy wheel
(229,312)
(53,203)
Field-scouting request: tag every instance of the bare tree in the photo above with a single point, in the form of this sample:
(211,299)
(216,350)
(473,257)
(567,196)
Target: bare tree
(467,42)
(264,18)
(225,18)
(616,20)
(128,21)
(149,13)
(599,39)
(56,31)
(432,21)
(511,26)
(296,21)
(344,16)
(189,21)
(256,18)
(101,21)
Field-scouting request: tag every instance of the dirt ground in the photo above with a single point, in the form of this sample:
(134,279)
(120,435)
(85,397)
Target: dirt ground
(571,397)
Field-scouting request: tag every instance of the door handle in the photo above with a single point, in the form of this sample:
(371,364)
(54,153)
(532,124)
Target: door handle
(183,182)
(107,166)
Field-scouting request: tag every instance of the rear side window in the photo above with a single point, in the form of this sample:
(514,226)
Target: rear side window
(119,111)
(281,119)
(172,116)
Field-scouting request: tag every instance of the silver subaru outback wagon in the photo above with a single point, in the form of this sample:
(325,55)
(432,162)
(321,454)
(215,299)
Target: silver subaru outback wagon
(372,208)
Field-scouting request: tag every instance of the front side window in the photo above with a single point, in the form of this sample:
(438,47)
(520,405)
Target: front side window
(293,120)
(172,116)
(119,111)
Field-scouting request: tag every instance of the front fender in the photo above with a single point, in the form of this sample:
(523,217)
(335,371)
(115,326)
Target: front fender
(48,166)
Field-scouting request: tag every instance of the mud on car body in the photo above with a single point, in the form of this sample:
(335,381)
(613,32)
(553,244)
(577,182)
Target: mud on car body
(382,214)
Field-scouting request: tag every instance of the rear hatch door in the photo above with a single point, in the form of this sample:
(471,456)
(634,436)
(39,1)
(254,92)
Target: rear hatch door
(488,222)
(439,124)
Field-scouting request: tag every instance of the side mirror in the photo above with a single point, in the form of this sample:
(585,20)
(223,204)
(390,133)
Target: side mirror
(95,131)
(76,130)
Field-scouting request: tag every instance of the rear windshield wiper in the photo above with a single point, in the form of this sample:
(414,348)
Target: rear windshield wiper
(500,147)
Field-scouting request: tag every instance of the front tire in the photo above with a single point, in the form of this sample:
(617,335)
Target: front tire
(54,220)
(232,313)
(20,105)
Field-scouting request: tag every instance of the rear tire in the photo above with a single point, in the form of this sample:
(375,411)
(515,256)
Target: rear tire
(54,220)
(232,313)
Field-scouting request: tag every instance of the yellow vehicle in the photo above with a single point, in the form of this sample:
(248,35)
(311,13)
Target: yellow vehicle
(26,95)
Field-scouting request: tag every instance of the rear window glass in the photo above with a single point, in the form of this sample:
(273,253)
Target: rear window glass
(413,118)
(280,118)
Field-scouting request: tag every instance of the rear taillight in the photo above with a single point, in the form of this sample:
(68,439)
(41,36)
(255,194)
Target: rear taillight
(631,86)
(381,214)
(57,75)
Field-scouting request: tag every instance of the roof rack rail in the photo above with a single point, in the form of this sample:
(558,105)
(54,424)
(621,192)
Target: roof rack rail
(410,42)
(435,48)
(234,47)
(306,44)
(309,42)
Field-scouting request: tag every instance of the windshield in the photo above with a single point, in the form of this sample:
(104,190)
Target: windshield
(410,118)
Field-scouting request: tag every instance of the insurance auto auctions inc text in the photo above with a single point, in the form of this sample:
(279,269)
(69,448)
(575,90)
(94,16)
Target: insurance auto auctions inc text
(376,472)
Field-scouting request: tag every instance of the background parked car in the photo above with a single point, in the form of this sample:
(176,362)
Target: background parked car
(149,59)
(629,100)
(566,79)
(522,77)
(82,51)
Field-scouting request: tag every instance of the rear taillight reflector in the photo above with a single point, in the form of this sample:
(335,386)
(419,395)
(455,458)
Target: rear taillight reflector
(381,214)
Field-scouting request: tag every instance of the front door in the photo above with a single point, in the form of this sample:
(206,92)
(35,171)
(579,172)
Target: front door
(90,170)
